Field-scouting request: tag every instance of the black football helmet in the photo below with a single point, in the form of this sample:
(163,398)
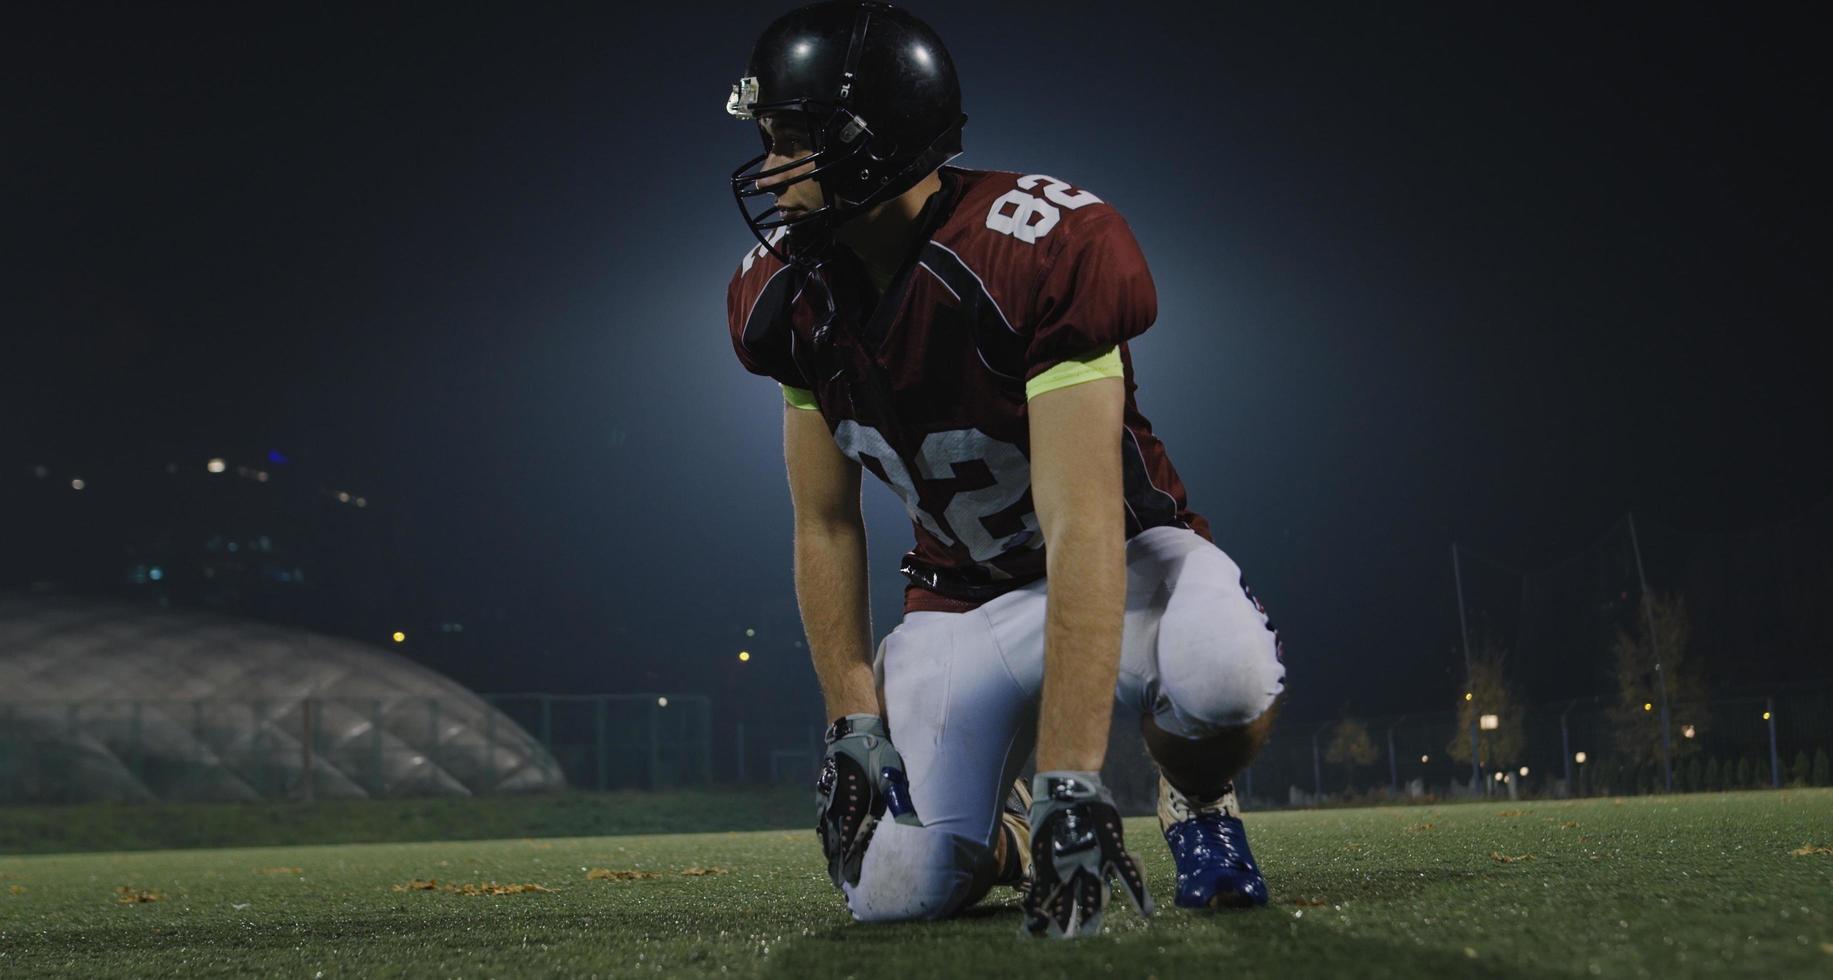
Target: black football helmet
(882,105)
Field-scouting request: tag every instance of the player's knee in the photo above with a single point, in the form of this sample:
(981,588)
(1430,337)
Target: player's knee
(1234,684)
(911,873)
(1219,662)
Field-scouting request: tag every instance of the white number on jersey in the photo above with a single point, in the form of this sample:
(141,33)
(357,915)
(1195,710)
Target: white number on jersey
(1012,214)
(963,517)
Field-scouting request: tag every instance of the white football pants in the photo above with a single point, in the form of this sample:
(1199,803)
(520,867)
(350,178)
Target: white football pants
(961,702)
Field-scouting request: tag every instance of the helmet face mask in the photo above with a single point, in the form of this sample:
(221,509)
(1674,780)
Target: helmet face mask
(876,95)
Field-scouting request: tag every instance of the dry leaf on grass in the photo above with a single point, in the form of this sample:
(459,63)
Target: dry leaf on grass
(1425,826)
(1310,903)
(1807,849)
(492,888)
(279,871)
(1511,813)
(468,888)
(1568,824)
(702,872)
(1501,858)
(15,889)
(541,845)
(133,896)
(609,875)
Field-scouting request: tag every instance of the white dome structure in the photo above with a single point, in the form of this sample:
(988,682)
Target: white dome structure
(103,700)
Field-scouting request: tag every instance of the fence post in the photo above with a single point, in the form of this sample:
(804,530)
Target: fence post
(138,764)
(1393,764)
(375,749)
(655,745)
(1565,746)
(741,753)
(305,750)
(432,743)
(600,736)
(706,742)
(490,745)
(1317,769)
(1775,760)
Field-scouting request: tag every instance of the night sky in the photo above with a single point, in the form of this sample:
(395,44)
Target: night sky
(1478,274)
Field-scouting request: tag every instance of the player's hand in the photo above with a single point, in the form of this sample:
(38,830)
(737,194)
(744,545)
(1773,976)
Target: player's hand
(862,776)
(1076,846)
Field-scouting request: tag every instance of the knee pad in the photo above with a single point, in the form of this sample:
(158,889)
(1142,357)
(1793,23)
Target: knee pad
(1218,657)
(912,873)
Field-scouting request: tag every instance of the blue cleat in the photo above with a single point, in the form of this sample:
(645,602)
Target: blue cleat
(1215,869)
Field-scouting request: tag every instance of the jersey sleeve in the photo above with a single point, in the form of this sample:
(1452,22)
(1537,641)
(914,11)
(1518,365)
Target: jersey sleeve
(757,314)
(1096,294)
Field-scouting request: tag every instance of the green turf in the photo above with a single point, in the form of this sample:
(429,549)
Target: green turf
(1702,885)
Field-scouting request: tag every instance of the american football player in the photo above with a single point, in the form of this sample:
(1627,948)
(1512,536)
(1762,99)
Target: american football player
(962,334)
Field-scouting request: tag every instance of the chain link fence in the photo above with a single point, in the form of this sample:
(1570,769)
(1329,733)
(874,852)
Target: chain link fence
(225,750)
(1586,747)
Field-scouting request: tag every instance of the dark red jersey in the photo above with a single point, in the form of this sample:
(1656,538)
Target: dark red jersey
(925,385)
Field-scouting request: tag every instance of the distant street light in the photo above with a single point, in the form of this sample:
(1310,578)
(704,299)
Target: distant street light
(1424,759)
(1501,776)
(661,702)
(216,466)
(1648,706)
(1489,723)
(1524,771)
(1686,731)
(1765,716)
(77,484)
(1468,696)
(400,637)
(750,632)
(1578,757)
(744,656)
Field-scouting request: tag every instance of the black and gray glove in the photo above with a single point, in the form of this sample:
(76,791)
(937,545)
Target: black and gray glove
(1076,846)
(862,777)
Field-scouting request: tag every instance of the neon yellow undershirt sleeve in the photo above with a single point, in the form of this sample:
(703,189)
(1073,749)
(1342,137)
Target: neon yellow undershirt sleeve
(1102,364)
(800,398)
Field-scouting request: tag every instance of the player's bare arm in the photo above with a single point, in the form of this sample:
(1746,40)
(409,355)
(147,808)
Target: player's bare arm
(862,774)
(830,563)
(1075,484)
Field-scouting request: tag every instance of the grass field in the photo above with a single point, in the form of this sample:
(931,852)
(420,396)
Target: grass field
(1704,885)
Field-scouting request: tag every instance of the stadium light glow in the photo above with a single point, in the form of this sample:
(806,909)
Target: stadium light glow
(1648,706)
(1468,696)
(661,702)
(1524,771)
(750,632)
(1501,776)
(77,484)
(343,496)
(1425,759)
(1686,731)
(1765,716)
(1578,757)
(1489,723)
(744,656)
(400,637)
(216,466)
